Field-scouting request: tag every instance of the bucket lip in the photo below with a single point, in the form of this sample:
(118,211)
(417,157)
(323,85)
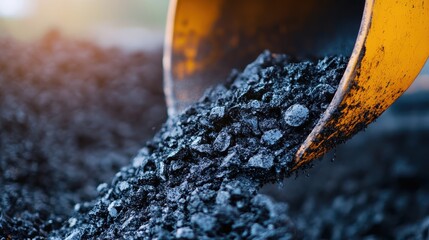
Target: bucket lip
(355,58)
(167,59)
(344,86)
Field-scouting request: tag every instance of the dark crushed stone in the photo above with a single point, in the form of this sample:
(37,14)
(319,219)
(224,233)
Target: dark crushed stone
(296,115)
(379,193)
(199,177)
(272,137)
(71,114)
(392,162)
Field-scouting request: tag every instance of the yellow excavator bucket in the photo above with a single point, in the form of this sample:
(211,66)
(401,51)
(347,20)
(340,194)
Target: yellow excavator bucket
(391,49)
(387,41)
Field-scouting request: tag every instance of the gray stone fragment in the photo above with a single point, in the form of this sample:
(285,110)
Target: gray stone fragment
(127,222)
(222,142)
(254,104)
(203,221)
(185,233)
(123,186)
(174,194)
(296,115)
(223,197)
(77,207)
(102,188)
(177,153)
(75,235)
(72,222)
(113,208)
(268,124)
(142,158)
(261,161)
(176,132)
(252,122)
(217,113)
(230,159)
(272,137)
(176,165)
(196,141)
(202,148)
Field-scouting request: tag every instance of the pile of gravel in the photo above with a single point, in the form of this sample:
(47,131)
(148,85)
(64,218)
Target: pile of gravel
(71,114)
(199,177)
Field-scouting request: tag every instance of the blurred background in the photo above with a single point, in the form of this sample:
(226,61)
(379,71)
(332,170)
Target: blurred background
(131,24)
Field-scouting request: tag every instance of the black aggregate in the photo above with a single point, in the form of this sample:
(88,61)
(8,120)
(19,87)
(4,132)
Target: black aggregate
(199,176)
(377,188)
(71,114)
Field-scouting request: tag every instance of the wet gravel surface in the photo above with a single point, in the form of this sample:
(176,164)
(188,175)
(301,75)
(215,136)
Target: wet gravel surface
(200,176)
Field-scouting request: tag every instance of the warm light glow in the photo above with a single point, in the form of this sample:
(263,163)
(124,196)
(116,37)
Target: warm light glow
(108,21)
(15,8)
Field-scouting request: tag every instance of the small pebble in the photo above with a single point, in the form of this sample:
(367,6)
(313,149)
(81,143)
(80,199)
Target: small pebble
(261,161)
(185,233)
(72,222)
(272,137)
(113,208)
(217,113)
(296,115)
(222,142)
(222,197)
(123,186)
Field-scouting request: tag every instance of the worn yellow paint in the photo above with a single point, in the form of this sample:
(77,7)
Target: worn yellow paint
(391,49)
(205,39)
(194,21)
